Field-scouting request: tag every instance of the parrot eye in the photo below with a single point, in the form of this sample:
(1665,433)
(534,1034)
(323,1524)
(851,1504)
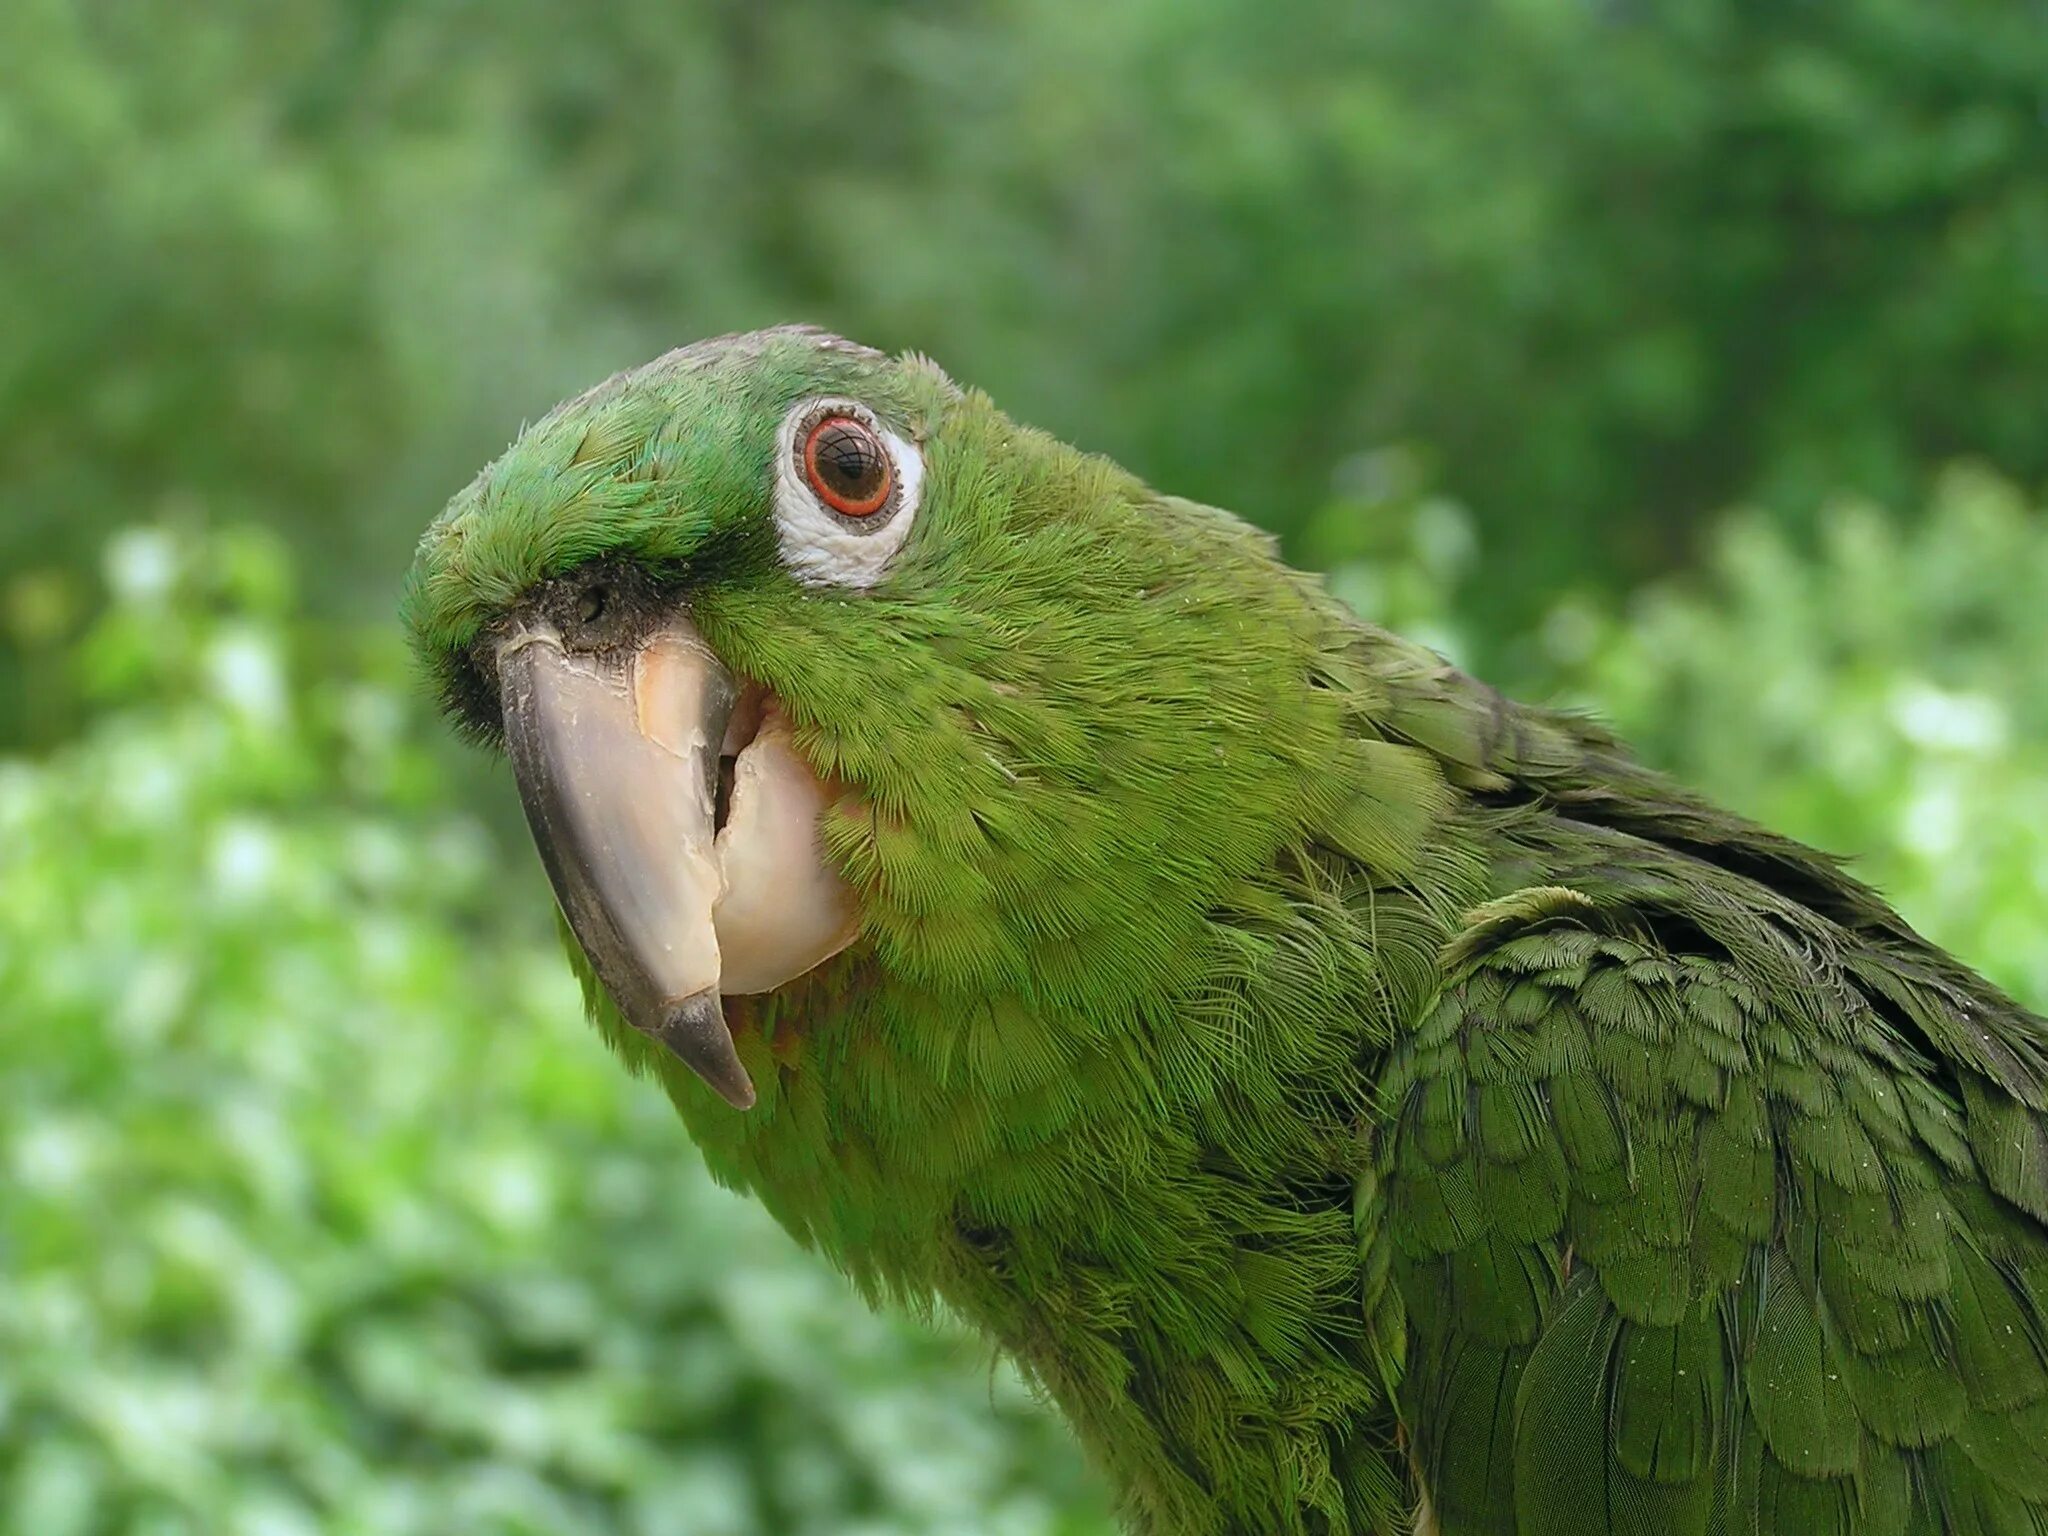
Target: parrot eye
(846,492)
(847,466)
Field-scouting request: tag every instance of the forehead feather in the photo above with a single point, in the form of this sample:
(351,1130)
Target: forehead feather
(599,472)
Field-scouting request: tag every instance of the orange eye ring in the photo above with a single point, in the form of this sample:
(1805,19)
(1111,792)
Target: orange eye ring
(847,466)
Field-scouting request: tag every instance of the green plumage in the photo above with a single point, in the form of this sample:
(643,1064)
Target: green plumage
(1336,1085)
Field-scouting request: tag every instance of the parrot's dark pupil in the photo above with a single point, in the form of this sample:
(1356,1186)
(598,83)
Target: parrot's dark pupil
(848,463)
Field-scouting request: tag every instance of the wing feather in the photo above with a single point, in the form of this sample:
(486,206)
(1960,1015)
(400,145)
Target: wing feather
(1698,1236)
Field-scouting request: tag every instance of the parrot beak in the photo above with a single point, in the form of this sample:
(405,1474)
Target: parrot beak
(673,895)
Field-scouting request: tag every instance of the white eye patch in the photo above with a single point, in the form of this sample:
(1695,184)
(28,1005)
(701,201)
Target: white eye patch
(846,493)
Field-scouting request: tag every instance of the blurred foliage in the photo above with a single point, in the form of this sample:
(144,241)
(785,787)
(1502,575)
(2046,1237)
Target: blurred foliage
(1874,686)
(323,1213)
(322,1210)
(1883,695)
(1597,265)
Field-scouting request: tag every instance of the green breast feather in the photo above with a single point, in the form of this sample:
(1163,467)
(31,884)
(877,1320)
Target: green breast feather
(1361,1103)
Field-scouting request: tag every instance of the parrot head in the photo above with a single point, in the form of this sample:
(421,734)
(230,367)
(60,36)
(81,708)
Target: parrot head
(822,680)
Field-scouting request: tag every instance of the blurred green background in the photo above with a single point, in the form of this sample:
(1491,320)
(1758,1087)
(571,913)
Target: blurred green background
(1685,359)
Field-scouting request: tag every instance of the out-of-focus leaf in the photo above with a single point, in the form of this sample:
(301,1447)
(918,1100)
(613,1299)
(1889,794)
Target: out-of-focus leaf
(1883,695)
(323,1211)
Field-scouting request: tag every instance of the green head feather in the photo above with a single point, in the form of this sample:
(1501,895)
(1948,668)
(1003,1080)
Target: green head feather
(1072,714)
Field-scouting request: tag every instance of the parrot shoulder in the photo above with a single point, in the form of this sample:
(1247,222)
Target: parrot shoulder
(1707,1211)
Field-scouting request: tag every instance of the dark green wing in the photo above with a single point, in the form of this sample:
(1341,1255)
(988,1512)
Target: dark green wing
(1710,1213)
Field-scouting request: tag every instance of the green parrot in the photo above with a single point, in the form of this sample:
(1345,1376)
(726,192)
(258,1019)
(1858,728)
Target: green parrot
(1359,1102)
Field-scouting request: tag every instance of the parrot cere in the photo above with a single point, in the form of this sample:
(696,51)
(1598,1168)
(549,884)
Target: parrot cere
(1359,1102)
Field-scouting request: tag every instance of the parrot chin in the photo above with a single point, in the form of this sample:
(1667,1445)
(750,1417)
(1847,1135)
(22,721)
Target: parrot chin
(678,825)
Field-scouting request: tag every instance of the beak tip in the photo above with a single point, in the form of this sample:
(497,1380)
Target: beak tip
(694,1032)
